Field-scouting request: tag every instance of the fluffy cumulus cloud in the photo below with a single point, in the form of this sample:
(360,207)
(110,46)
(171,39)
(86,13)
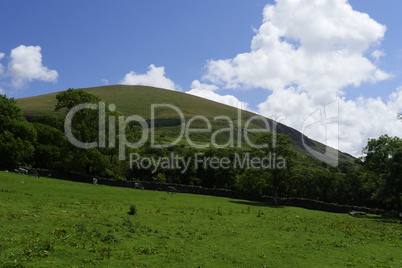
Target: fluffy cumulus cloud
(317,44)
(305,53)
(155,77)
(207,91)
(26,65)
(355,120)
(369,118)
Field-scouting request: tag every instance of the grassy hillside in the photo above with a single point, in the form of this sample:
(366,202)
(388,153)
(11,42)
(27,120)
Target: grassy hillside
(131,100)
(54,223)
(137,100)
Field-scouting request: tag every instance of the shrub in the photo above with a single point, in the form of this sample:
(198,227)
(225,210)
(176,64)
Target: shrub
(160,177)
(133,209)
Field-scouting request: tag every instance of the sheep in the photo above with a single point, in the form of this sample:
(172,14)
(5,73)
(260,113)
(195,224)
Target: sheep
(357,213)
(171,189)
(138,185)
(22,170)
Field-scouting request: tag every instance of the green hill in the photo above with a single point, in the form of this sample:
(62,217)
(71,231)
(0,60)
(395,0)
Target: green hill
(137,100)
(131,100)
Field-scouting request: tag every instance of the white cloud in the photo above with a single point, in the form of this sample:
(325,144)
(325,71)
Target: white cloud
(26,65)
(207,91)
(2,91)
(196,84)
(306,52)
(154,77)
(316,44)
(369,118)
(357,120)
(377,54)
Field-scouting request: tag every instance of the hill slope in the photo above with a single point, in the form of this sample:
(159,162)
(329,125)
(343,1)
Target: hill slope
(137,100)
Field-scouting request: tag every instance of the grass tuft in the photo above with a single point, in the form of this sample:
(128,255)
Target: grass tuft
(133,209)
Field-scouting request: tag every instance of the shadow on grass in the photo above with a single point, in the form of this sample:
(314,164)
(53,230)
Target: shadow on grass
(385,219)
(369,217)
(381,218)
(256,204)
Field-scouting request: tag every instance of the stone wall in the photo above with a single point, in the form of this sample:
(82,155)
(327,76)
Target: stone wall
(292,201)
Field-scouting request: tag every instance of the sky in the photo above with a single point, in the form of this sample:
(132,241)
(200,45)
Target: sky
(328,68)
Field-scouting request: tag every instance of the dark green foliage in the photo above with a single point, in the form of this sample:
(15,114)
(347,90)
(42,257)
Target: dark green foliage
(72,97)
(278,146)
(16,134)
(254,181)
(85,128)
(50,147)
(85,122)
(358,187)
(383,157)
(160,178)
(56,122)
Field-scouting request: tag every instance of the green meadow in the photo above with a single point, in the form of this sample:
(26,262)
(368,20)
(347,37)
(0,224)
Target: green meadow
(54,223)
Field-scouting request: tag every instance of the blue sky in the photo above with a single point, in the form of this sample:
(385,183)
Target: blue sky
(284,59)
(87,41)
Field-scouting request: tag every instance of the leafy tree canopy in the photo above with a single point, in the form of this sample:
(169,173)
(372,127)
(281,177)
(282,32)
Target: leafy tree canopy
(72,97)
(383,157)
(279,146)
(16,134)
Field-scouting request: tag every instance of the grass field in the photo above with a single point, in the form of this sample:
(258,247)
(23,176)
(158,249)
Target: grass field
(54,223)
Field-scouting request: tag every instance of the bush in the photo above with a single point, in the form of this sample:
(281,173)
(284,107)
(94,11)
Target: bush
(160,177)
(133,209)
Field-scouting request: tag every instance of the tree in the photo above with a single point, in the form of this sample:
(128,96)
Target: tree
(85,128)
(278,147)
(72,97)
(85,122)
(16,134)
(253,181)
(383,157)
(51,120)
(50,147)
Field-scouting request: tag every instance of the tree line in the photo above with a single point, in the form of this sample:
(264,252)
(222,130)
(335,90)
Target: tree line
(373,180)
